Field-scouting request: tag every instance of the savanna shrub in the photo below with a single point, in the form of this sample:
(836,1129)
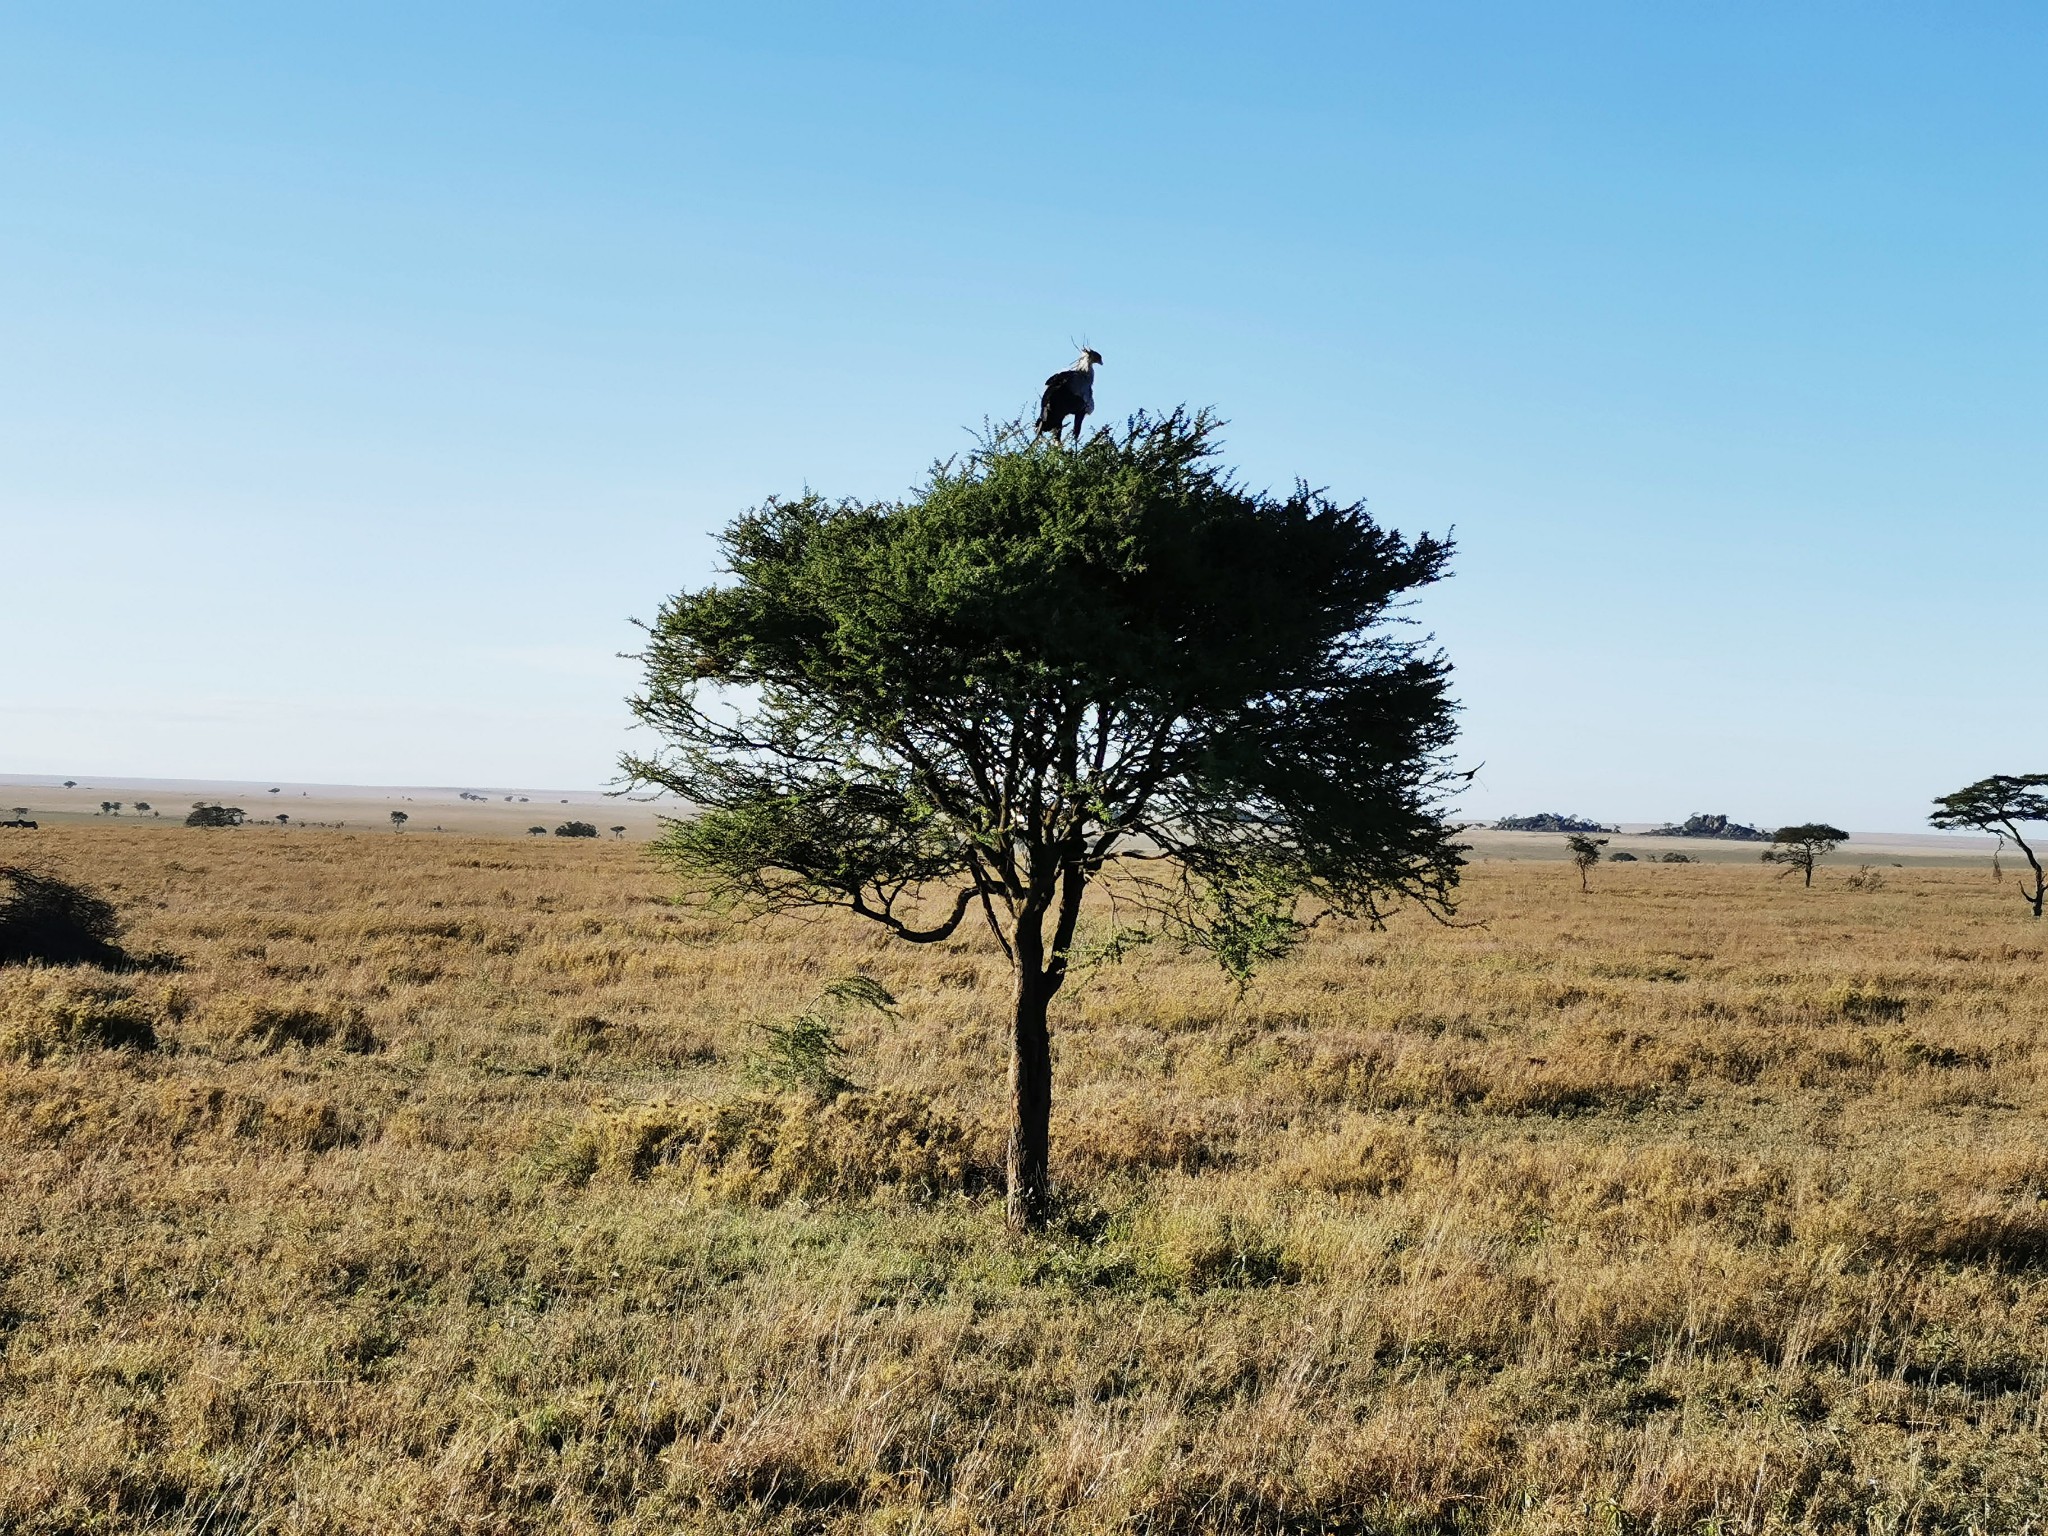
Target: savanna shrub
(48,921)
(802,1054)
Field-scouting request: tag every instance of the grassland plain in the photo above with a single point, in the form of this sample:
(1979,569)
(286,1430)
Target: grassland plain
(443,1204)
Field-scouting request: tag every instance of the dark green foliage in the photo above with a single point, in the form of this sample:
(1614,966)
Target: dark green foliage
(1802,846)
(1085,651)
(48,921)
(2000,805)
(215,816)
(576,829)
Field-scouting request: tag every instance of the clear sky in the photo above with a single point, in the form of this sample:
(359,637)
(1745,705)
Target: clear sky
(364,370)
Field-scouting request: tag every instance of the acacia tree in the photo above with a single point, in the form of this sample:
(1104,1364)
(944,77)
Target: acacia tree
(1585,852)
(1999,805)
(1048,667)
(1803,846)
(398,821)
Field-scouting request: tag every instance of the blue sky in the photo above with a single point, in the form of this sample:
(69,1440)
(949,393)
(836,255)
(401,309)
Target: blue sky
(364,370)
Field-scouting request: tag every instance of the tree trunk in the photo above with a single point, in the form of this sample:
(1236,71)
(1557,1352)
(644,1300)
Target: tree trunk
(1030,1188)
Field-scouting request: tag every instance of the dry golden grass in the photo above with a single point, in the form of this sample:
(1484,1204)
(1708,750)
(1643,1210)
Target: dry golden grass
(1701,1203)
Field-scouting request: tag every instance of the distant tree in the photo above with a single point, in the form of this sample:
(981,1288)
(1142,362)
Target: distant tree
(536,831)
(106,807)
(71,783)
(274,791)
(1585,852)
(283,818)
(576,829)
(617,832)
(1803,846)
(2000,805)
(141,805)
(398,821)
(117,807)
(215,816)
(1045,669)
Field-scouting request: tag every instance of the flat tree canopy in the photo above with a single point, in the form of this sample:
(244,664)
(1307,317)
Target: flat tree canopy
(1801,847)
(1049,666)
(1999,805)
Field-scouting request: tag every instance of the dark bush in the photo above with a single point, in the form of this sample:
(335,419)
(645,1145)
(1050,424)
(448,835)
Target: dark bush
(576,829)
(48,921)
(215,816)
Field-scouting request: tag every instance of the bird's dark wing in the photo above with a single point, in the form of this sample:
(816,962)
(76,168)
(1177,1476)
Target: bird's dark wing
(1060,400)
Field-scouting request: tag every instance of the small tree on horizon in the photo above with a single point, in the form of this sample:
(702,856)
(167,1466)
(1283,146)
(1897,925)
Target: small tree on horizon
(398,821)
(1585,852)
(2000,805)
(1803,846)
(617,833)
(1049,667)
